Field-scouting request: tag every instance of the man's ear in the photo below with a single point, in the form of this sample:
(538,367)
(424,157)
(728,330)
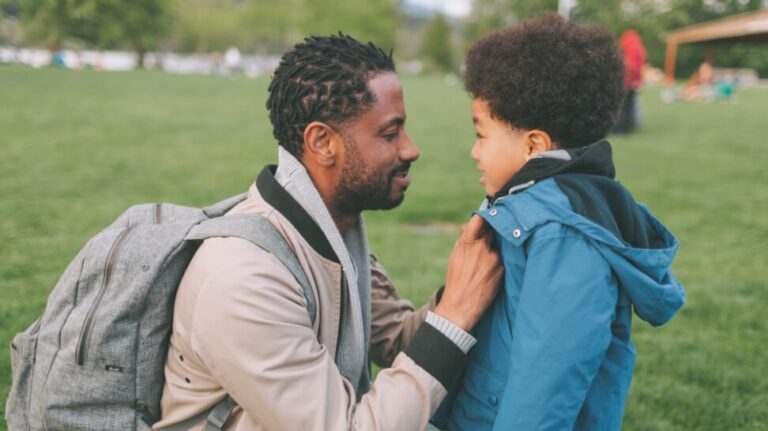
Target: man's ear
(538,141)
(322,144)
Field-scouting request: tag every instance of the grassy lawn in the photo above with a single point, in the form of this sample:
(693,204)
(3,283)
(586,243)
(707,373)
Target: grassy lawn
(76,148)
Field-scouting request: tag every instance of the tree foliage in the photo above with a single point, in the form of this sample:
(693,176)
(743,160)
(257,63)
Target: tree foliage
(102,23)
(139,23)
(275,25)
(372,20)
(651,18)
(489,15)
(436,49)
(211,25)
(51,22)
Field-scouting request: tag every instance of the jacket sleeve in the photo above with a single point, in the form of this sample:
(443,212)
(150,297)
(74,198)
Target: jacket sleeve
(561,332)
(394,320)
(252,332)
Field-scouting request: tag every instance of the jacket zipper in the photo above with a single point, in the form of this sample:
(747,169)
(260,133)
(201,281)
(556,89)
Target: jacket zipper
(114,252)
(342,314)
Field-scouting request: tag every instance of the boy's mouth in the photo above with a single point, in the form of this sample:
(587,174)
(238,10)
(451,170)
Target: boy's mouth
(482,175)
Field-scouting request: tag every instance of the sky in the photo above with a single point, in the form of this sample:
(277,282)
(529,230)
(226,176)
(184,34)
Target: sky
(454,8)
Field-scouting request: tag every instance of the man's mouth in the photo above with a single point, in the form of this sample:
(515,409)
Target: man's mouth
(400,176)
(402,179)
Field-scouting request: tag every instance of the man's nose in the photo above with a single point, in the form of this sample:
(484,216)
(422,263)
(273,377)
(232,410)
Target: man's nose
(408,151)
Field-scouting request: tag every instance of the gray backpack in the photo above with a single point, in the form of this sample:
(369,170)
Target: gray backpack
(95,359)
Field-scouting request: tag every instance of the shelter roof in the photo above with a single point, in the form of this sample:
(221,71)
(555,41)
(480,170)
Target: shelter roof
(746,27)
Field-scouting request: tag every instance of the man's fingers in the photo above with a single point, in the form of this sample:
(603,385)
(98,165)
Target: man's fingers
(474,229)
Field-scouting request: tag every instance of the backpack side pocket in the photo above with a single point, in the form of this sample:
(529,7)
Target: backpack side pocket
(23,348)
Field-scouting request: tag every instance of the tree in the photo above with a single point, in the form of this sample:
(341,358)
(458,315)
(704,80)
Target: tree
(372,20)
(140,23)
(10,30)
(489,15)
(50,22)
(215,25)
(436,47)
(652,19)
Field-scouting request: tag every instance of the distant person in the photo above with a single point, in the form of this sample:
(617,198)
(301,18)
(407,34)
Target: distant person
(240,323)
(634,55)
(554,350)
(232,60)
(725,87)
(59,60)
(700,86)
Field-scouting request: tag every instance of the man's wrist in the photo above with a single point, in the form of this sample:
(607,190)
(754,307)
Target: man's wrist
(460,337)
(434,352)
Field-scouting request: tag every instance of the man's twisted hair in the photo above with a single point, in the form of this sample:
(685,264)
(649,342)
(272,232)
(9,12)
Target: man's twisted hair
(322,79)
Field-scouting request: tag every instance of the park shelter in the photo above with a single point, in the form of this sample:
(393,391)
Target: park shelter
(749,27)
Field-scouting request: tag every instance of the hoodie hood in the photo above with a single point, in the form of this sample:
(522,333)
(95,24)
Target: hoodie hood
(582,194)
(594,159)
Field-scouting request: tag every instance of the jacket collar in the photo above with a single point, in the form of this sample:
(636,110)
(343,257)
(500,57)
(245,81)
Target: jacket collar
(350,250)
(285,204)
(593,159)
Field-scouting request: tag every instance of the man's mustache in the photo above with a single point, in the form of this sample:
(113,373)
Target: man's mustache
(404,168)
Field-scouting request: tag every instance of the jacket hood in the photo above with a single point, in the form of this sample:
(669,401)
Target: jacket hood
(644,272)
(593,159)
(639,248)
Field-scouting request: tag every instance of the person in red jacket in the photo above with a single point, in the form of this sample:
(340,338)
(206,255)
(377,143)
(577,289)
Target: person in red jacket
(634,58)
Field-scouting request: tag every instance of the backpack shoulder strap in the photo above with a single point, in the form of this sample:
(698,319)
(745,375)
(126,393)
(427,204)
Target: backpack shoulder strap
(220,208)
(260,231)
(216,417)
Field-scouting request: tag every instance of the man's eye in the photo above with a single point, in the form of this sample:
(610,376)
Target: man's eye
(392,136)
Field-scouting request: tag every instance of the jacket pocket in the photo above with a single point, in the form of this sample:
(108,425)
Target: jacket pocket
(22,363)
(478,401)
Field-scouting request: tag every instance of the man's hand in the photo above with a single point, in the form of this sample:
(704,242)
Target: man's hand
(473,276)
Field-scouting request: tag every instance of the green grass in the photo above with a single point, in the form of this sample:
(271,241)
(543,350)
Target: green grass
(76,148)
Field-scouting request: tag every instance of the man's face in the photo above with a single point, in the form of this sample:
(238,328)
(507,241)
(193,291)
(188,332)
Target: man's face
(378,152)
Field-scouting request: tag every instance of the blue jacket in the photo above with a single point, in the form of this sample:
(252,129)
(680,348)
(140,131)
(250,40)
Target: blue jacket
(554,350)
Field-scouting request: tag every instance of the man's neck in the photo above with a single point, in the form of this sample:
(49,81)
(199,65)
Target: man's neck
(343,221)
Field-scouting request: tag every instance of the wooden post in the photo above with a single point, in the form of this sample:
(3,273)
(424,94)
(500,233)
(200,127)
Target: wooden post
(710,55)
(669,62)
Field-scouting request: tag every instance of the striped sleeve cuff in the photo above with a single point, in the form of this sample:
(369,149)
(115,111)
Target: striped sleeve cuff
(462,339)
(431,350)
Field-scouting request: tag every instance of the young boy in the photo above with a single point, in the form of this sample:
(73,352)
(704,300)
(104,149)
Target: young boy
(554,351)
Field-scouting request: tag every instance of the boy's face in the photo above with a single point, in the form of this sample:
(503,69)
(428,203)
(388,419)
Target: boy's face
(500,150)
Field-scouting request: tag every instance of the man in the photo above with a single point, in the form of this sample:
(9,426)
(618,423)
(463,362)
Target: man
(241,325)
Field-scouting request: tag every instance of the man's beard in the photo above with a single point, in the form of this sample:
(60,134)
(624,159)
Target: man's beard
(363,188)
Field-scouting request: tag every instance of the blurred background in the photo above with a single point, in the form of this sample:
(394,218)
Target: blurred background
(221,36)
(109,103)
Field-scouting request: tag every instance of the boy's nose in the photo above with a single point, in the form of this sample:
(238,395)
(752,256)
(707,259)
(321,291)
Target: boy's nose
(473,152)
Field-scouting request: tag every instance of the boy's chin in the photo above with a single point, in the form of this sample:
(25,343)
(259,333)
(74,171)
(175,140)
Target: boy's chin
(489,189)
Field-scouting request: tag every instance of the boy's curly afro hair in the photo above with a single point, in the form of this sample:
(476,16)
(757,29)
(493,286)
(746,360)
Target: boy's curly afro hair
(550,74)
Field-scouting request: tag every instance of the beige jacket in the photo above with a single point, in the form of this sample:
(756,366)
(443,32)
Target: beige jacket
(241,328)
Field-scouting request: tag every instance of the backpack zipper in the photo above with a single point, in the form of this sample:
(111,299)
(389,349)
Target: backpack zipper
(342,314)
(114,252)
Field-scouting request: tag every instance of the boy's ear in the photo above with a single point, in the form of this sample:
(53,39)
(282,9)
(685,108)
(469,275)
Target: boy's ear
(538,141)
